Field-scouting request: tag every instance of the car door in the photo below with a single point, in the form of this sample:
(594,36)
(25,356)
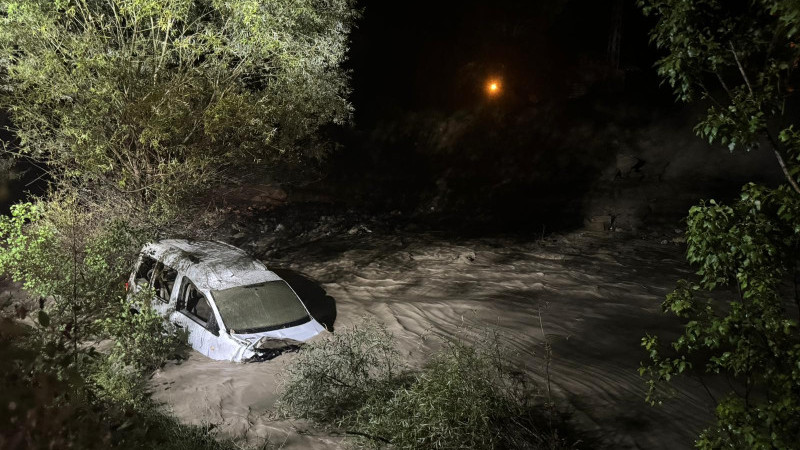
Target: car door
(195,314)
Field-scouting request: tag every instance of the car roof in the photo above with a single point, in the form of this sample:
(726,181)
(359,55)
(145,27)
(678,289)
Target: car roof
(210,265)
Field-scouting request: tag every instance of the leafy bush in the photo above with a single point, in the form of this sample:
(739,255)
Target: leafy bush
(741,59)
(78,257)
(467,396)
(161,99)
(332,378)
(142,342)
(153,428)
(47,403)
(142,338)
(750,334)
(38,406)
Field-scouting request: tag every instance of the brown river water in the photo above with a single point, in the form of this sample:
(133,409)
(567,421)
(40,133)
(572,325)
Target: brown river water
(597,293)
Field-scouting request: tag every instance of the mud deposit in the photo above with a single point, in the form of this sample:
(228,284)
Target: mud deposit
(597,293)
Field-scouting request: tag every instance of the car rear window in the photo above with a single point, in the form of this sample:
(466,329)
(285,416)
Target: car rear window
(260,307)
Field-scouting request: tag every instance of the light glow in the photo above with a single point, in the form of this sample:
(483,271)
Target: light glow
(493,87)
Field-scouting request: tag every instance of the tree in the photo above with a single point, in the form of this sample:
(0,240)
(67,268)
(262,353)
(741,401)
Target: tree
(741,314)
(160,99)
(741,57)
(73,255)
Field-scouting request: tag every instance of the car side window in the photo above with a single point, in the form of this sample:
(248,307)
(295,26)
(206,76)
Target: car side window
(164,281)
(193,303)
(145,272)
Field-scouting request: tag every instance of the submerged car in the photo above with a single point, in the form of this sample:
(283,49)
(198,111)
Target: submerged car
(231,305)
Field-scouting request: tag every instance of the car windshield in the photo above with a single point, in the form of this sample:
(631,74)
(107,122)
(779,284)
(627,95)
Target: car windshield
(260,307)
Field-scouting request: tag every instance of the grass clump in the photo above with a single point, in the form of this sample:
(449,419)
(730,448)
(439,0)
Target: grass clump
(469,395)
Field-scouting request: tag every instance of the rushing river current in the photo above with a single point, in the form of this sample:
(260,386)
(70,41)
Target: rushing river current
(597,294)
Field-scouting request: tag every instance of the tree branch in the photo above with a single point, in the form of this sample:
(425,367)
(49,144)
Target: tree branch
(722,82)
(775,149)
(741,69)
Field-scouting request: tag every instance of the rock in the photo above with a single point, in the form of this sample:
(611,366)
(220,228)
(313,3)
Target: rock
(664,242)
(279,228)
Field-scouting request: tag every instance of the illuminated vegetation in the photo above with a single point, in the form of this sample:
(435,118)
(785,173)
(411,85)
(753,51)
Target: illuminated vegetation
(741,314)
(136,108)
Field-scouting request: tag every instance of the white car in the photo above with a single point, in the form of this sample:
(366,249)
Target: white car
(233,308)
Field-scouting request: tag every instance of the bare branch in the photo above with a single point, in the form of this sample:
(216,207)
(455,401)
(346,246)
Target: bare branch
(775,149)
(722,82)
(741,69)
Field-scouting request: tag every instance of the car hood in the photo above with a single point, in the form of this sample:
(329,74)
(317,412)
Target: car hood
(299,333)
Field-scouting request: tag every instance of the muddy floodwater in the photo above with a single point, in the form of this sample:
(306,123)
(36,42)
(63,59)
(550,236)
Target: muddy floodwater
(597,293)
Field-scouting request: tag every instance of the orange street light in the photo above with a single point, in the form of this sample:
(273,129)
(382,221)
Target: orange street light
(493,87)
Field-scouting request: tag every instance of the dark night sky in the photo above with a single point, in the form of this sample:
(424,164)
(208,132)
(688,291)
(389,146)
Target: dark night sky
(425,128)
(416,54)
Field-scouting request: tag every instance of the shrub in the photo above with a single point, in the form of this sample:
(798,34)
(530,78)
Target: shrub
(78,257)
(142,342)
(39,406)
(467,396)
(740,58)
(152,428)
(46,401)
(161,99)
(737,319)
(142,338)
(332,378)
